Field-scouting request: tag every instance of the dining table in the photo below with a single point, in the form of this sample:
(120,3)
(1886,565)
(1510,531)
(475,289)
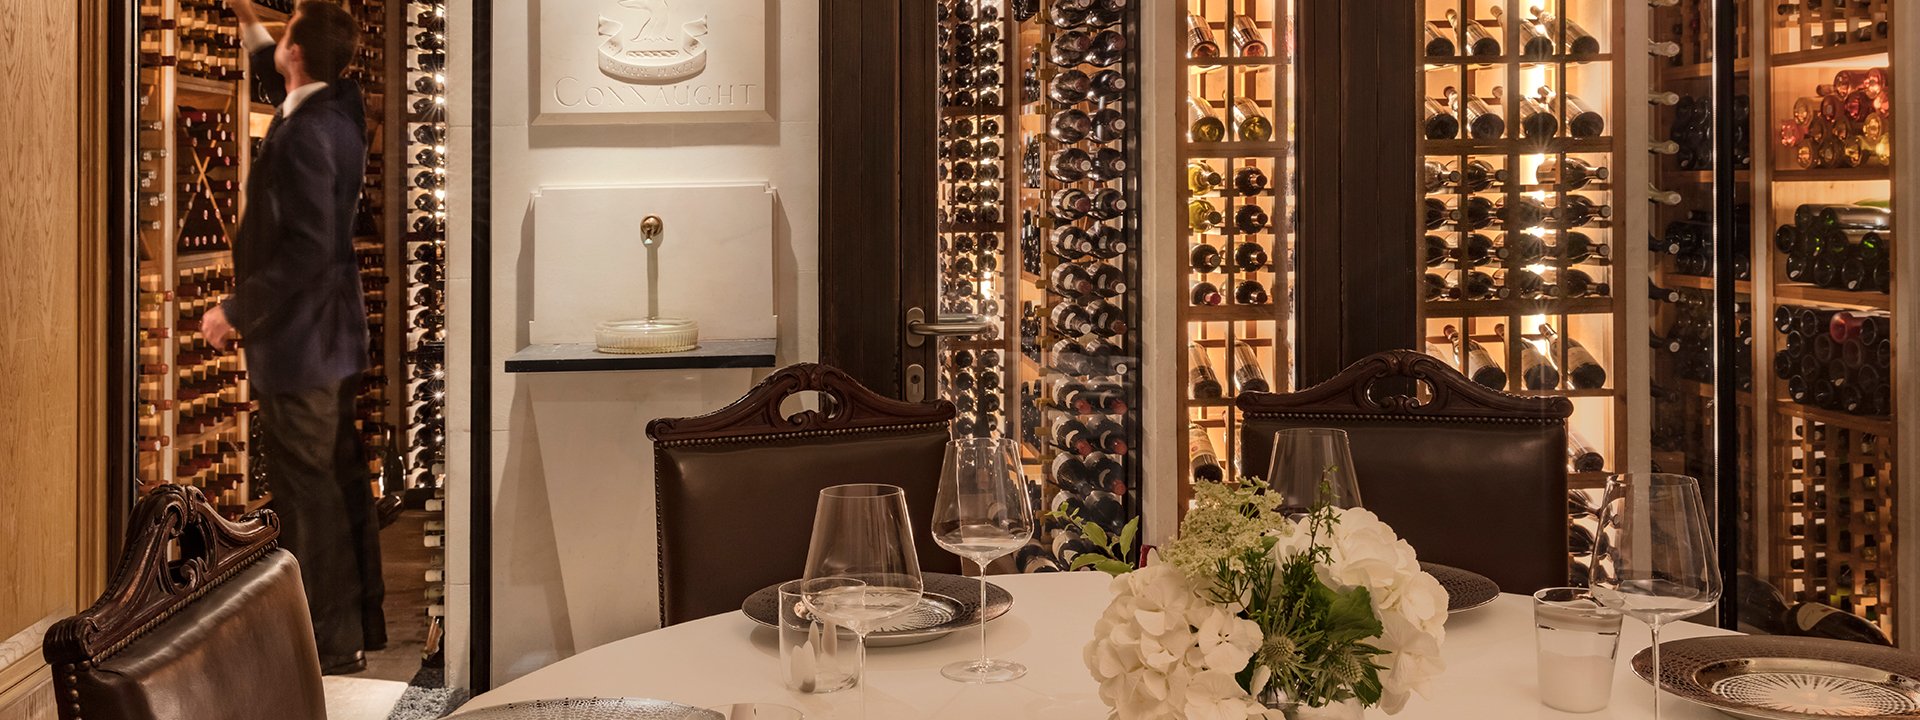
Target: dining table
(726,659)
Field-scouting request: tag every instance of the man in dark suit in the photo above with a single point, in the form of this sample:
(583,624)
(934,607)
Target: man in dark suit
(298,303)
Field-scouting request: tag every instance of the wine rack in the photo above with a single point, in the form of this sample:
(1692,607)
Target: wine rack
(1828,300)
(424,283)
(1236,94)
(1038,232)
(199,128)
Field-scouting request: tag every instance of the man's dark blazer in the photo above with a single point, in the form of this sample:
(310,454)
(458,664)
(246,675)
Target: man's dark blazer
(298,302)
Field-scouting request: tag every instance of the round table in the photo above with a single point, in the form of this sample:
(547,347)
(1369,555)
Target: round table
(730,659)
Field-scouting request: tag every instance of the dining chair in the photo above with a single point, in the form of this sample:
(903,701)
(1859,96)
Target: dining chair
(736,488)
(1470,477)
(202,618)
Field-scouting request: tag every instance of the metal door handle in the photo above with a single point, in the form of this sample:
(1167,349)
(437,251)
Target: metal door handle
(918,329)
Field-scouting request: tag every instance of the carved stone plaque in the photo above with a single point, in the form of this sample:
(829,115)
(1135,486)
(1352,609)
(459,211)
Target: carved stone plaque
(611,61)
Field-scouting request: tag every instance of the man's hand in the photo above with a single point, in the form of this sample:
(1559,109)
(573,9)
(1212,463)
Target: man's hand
(213,325)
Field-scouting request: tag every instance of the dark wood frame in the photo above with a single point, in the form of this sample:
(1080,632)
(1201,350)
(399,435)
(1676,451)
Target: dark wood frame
(149,585)
(1357,265)
(1451,395)
(849,407)
(480,365)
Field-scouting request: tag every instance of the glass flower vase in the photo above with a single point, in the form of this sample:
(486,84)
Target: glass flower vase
(1276,699)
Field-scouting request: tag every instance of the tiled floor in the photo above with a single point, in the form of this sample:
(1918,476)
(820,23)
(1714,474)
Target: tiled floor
(359,698)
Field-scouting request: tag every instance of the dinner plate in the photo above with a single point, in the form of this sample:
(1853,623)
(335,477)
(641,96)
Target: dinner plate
(949,603)
(1771,677)
(591,709)
(1466,589)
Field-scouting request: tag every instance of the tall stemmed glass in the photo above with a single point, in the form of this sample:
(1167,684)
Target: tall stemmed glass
(1312,466)
(861,567)
(1654,557)
(982,513)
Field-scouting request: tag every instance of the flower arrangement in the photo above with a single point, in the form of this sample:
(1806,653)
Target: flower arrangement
(1251,614)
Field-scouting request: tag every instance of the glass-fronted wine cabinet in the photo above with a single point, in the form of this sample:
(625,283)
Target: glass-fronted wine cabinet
(1766,187)
(1233,108)
(1039,234)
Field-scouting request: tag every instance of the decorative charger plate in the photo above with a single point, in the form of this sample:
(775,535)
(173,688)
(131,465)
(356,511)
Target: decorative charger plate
(951,602)
(591,709)
(1788,678)
(1466,589)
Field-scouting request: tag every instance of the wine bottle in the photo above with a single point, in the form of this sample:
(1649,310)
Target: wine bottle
(1580,44)
(1581,457)
(1474,37)
(1206,294)
(1249,257)
(1583,371)
(1535,43)
(1249,180)
(1472,285)
(1438,46)
(1580,211)
(1480,365)
(1570,173)
(1250,292)
(1249,123)
(1482,122)
(1478,176)
(1250,219)
(1200,42)
(1205,461)
(1069,126)
(1582,120)
(1247,375)
(1245,37)
(1202,124)
(1537,121)
(1536,369)
(1201,177)
(1813,619)
(1204,258)
(1202,382)
(1202,216)
(1070,165)
(1440,123)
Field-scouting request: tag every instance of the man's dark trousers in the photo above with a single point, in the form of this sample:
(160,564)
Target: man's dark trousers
(319,481)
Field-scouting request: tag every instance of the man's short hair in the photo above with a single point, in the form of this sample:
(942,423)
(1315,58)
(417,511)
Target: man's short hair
(326,35)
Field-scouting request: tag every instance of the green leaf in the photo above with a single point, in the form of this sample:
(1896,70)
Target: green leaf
(1127,535)
(1350,617)
(1111,566)
(1094,534)
(1085,560)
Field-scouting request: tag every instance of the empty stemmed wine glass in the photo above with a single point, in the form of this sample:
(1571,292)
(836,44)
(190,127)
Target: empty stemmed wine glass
(982,513)
(1654,557)
(861,566)
(1312,466)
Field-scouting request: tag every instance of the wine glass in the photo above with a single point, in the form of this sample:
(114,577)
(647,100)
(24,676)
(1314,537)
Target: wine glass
(1654,557)
(1312,466)
(982,513)
(861,567)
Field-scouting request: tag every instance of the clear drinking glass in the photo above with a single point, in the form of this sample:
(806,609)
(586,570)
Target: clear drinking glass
(1310,466)
(1577,639)
(981,514)
(816,655)
(1654,557)
(861,566)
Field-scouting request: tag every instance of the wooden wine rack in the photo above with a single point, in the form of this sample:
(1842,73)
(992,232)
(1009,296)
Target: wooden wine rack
(176,182)
(1266,329)
(1501,324)
(424,253)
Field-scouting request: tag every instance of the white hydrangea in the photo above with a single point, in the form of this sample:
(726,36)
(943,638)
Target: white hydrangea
(1411,605)
(1162,651)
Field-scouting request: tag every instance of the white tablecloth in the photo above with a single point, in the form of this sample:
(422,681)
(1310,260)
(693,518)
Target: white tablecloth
(729,659)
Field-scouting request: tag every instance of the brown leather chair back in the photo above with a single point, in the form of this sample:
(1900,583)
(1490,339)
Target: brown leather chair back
(737,488)
(1471,477)
(203,618)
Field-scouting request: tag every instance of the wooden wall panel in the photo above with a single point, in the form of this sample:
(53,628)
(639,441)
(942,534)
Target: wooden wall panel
(31,700)
(50,330)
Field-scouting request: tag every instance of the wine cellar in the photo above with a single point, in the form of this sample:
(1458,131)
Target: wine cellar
(1235,105)
(1039,233)
(201,122)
